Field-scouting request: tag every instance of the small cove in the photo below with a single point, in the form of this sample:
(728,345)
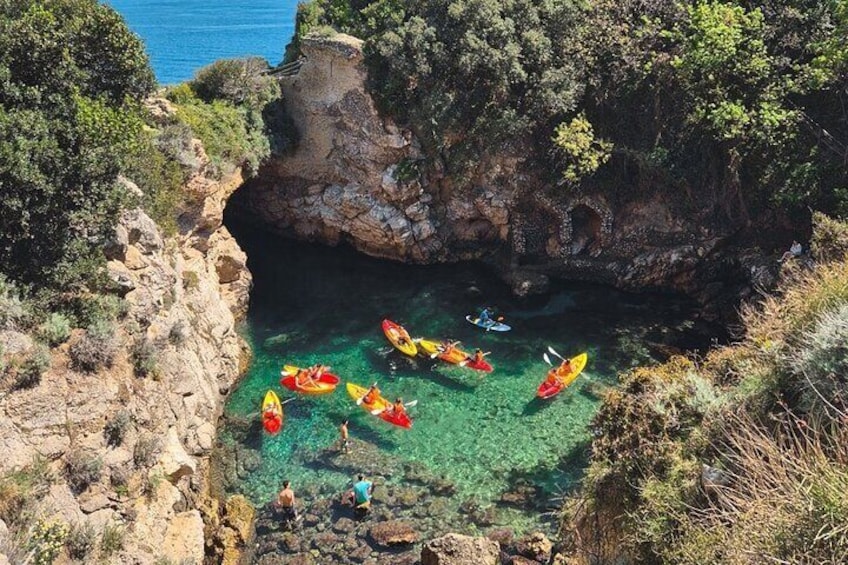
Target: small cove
(500,449)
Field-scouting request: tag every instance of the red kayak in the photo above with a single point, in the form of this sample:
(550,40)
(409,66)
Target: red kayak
(325,384)
(481,365)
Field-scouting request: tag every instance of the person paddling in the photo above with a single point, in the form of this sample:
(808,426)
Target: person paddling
(398,408)
(555,374)
(478,356)
(372,395)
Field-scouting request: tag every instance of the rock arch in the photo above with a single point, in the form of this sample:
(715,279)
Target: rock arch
(577,226)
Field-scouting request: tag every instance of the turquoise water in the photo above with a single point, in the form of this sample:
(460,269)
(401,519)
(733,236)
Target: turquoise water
(184,35)
(312,304)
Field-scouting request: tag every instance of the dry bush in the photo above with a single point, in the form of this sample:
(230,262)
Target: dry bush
(786,499)
(96,349)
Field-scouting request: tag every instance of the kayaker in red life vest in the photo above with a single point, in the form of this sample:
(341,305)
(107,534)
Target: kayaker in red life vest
(564,368)
(398,408)
(304,377)
(478,356)
(372,395)
(447,347)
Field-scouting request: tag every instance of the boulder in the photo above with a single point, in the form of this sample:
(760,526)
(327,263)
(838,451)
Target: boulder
(456,549)
(393,533)
(536,546)
(184,538)
(176,463)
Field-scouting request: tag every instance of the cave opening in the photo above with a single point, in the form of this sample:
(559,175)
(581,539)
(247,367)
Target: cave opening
(585,230)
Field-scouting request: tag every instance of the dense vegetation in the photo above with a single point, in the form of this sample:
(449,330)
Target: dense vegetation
(740,104)
(78,143)
(739,457)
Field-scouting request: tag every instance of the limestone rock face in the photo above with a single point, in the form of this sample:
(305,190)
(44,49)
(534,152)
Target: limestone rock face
(358,178)
(184,293)
(456,549)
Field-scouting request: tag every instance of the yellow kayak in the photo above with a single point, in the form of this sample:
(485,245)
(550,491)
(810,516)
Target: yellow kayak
(547,389)
(356,392)
(272,413)
(399,338)
(430,347)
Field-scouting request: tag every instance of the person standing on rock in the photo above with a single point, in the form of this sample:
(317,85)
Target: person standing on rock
(285,502)
(344,440)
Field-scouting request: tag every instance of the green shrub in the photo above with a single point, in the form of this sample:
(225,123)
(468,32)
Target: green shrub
(19,489)
(81,540)
(823,368)
(30,372)
(830,238)
(240,82)
(82,470)
(46,541)
(15,312)
(112,540)
(96,348)
(232,137)
(144,353)
(116,428)
(56,329)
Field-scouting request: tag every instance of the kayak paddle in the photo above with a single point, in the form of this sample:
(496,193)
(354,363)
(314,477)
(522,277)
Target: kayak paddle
(553,352)
(547,359)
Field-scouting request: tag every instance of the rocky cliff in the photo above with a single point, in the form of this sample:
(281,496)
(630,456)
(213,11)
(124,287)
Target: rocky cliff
(146,439)
(357,177)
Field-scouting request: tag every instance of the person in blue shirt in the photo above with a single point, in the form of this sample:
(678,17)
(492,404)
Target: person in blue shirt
(361,494)
(485,316)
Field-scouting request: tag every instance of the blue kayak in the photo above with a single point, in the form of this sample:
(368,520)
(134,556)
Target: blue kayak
(488,325)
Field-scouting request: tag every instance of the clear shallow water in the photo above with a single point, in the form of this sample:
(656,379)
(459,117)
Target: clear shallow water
(312,304)
(185,35)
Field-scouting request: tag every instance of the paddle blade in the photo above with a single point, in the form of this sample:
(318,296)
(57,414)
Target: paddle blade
(553,352)
(411,403)
(547,359)
(378,411)
(359,400)
(463,363)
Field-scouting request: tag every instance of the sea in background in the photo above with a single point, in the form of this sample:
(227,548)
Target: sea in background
(184,35)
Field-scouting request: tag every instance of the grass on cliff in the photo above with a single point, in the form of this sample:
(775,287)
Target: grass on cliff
(740,456)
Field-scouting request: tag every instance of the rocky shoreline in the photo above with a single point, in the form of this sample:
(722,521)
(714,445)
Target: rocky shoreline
(412,511)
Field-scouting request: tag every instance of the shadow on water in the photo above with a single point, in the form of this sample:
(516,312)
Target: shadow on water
(448,382)
(538,404)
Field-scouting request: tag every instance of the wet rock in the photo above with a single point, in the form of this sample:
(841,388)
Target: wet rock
(439,507)
(443,487)
(290,543)
(416,473)
(535,546)
(503,536)
(485,516)
(360,554)
(522,495)
(469,505)
(325,541)
(344,526)
(310,520)
(407,497)
(392,533)
(456,549)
